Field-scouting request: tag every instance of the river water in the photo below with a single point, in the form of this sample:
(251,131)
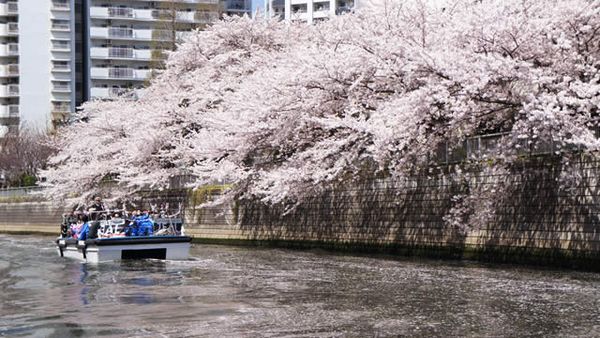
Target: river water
(247,292)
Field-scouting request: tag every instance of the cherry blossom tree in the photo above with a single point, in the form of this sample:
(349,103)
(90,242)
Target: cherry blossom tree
(23,153)
(283,111)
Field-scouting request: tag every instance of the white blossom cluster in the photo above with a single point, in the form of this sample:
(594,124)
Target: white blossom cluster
(282,111)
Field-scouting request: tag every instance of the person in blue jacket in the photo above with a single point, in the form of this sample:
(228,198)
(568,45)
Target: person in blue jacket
(145,225)
(84,232)
(131,227)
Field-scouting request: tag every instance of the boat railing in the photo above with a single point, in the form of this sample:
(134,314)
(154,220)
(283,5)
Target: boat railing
(114,221)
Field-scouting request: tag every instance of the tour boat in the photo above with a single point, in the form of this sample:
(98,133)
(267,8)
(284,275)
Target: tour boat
(117,248)
(170,243)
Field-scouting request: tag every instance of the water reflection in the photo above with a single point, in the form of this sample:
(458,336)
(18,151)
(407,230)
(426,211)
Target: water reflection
(231,291)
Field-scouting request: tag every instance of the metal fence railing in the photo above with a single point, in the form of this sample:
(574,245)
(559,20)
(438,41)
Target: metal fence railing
(488,146)
(19,192)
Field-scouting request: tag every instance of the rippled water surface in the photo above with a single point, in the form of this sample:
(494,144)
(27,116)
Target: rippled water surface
(236,291)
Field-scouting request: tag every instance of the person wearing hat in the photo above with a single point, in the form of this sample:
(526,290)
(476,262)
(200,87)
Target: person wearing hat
(96,208)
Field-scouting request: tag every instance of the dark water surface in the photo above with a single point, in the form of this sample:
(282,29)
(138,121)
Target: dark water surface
(244,292)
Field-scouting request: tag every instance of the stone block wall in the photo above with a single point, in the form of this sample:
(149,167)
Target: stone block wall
(536,210)
(30,217)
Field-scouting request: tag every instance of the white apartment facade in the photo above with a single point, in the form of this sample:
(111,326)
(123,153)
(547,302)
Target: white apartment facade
(36,63)
(127,38)
(311,11)
(9,66)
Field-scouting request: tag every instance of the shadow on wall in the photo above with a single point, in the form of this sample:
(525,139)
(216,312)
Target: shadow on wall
(371,213)
(536,219)
(541,215)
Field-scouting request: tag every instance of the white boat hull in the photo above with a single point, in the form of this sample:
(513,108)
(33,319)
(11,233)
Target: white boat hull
(94,251)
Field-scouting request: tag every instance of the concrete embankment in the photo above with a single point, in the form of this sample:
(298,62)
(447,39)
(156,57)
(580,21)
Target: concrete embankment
(30,218)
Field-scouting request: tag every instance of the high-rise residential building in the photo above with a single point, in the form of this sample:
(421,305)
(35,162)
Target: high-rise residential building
(127,40)
(57,54)
(9,66)
(36,63)
(62,68)
(315,10)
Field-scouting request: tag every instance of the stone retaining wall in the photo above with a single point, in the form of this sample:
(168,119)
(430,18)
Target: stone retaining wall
(538,215)
(30,217)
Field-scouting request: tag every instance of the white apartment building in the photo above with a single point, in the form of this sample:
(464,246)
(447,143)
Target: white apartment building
(36,63)
(63,62)
(311,11)
(57,54)
(9,66)
(127,38)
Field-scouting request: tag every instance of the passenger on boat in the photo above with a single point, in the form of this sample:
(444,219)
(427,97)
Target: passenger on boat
(68,220)
(84,231)
(129,228)
(96,209)
(117,227)
(132,226)
(145,225)
(76,226)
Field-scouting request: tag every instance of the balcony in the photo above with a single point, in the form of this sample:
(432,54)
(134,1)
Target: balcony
(163,35)
(114,92)
(63,87)
(9,70)
(61,67)
(9,29)
(9,49)
(119,12)
(9,111)
(61,107)
(119,33)
(120,73)
(115,32)
(120,53)
(64,26)
(111,12)
(9,9)
(349,8)
(321,13)
(61,46)
(11,90)
(61,5)
(205,17)
(150,14)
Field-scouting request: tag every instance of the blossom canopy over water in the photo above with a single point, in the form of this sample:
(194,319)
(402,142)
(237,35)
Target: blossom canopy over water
(283,110)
